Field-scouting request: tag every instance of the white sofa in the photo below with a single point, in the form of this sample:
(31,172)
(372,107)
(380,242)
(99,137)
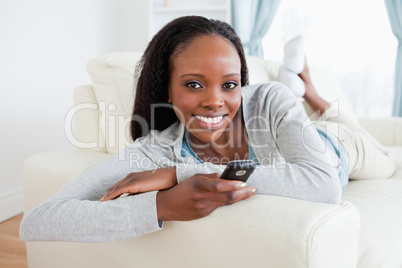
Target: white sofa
(364,231)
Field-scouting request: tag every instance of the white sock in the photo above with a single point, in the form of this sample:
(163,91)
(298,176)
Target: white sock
(293,58)
(292,81)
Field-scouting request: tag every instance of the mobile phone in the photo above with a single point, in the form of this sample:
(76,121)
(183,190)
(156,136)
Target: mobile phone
(238,170)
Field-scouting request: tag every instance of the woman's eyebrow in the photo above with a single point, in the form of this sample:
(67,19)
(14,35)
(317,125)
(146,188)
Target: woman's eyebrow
(199,75)
(202,76)
(232,74)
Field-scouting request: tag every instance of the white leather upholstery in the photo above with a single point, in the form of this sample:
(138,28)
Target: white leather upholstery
(379,203)
(388,131)
(112,78)
(261,231)
(87,133)
(265,231)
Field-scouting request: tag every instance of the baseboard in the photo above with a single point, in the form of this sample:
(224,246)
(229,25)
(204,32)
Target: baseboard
(11,204)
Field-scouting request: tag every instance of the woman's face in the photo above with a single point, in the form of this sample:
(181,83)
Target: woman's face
(205,87)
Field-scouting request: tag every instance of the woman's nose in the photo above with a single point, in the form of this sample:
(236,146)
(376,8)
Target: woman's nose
(212,99)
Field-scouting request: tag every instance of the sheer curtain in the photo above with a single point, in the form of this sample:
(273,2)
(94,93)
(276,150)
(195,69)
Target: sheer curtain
(251,20)
(351,39)
(394,9)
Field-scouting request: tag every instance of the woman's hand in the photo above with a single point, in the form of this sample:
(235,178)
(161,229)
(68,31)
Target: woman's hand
(141,182)
(198,196)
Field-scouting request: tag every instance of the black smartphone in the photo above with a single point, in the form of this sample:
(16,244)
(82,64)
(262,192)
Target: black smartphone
(238,170)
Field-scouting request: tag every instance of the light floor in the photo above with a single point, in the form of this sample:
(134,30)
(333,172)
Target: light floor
(12,248)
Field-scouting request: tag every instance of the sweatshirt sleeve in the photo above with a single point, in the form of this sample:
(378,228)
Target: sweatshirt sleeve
(75,214)
(294,161)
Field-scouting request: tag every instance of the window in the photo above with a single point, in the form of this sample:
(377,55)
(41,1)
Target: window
(351,39)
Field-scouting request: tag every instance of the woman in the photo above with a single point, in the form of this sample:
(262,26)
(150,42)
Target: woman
(196,67)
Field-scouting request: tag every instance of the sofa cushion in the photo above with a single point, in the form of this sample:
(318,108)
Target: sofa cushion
(326,84)
(379,203)
(257,70)
(396,153)
(329,88)
(112,78)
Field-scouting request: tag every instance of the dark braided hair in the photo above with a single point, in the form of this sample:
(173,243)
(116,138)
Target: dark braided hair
(157,62)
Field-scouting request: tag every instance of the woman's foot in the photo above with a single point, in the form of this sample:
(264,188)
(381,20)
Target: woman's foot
(293,58)
(293,64)
(292,81)
(306,79)
(302,86)
(295,74)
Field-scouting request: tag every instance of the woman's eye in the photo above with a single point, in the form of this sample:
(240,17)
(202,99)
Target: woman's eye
(230,85)
(193,85)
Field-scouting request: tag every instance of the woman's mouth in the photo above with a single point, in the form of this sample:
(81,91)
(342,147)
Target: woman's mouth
(210,122)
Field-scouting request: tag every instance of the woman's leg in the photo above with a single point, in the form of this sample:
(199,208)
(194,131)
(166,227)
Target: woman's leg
(366,157)
(310,96)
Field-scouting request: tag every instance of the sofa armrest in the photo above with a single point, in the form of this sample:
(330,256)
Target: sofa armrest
(263,231)
(386,130)
(269,231)
(46,173)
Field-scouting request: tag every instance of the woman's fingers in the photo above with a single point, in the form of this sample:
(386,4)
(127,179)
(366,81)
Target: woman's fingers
(212,183)
(140,182)
(126,186)
(113,193)
(224,192)
(198,196)
(208,189)
(231,197)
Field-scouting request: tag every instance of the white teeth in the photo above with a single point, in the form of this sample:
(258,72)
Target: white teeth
(210,120)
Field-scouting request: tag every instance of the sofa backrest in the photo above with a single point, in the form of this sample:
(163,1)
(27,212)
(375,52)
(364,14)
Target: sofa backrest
(112,78)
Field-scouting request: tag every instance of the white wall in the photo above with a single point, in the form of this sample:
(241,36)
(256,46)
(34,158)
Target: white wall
(44,47)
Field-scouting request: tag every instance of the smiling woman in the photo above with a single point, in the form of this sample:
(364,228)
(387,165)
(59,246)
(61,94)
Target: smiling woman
(206,93)
(156,69)
(195,69)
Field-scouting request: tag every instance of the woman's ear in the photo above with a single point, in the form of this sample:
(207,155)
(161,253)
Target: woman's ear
(169,98)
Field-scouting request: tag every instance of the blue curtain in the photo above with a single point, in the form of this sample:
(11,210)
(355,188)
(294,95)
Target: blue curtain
(394,10)
(251,20)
